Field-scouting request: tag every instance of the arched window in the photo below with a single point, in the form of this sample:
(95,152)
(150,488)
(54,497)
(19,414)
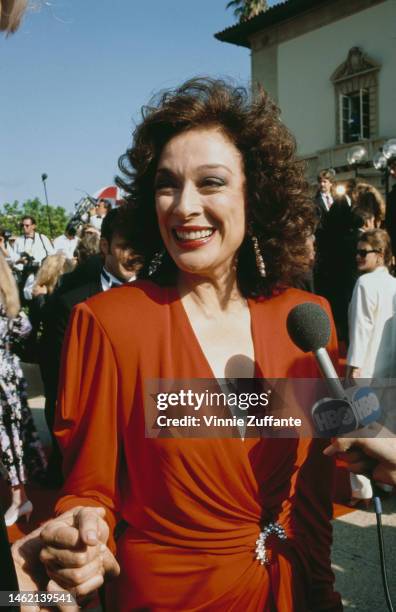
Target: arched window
(356,89)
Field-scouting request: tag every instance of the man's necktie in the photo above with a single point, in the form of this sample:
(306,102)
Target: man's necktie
(112,282)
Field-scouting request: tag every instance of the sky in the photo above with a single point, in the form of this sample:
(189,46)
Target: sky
(74,78)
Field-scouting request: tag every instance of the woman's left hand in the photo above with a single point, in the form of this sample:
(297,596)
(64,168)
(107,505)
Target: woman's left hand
(31,572)
(75,551)
(52,558)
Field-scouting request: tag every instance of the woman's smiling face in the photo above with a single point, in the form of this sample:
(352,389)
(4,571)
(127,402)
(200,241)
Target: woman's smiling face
(200,200)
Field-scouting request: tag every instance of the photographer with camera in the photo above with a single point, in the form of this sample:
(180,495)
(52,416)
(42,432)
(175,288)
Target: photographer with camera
(28,252)
(32,247)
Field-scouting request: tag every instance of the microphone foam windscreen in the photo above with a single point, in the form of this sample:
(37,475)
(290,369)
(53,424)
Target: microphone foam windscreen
(309,326)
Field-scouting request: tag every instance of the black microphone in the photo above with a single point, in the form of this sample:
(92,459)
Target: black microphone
(309,328)
(348,409)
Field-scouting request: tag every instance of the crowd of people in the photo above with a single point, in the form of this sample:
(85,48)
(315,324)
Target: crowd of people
(353,270)
(342,220)
(41,274)
(208,255)
(219,230)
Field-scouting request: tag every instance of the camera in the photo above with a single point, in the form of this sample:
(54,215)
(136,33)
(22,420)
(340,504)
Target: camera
(30,264)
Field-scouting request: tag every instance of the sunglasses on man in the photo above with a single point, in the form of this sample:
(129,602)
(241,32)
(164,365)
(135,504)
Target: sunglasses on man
(364,252)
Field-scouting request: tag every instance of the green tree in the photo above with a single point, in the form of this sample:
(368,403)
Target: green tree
(246,9)
(11,214)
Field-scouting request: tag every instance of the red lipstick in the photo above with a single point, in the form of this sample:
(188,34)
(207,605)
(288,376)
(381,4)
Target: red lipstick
(192,242)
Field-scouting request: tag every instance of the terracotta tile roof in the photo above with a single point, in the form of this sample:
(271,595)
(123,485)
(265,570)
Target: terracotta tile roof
(239,34)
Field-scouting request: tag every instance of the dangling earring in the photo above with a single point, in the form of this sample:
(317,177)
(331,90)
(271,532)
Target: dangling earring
(259,258)
(156,262)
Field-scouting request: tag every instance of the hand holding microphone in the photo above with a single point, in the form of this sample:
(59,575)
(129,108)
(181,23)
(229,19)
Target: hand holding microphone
(346,409)
(369,447)
(367,454)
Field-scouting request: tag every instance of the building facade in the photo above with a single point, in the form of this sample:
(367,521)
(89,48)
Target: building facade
(331,67)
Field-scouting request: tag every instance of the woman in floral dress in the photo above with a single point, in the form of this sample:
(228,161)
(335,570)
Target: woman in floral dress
(21,453)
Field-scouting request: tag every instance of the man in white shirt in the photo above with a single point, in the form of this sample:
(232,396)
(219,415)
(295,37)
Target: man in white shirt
(32,247)
(28,252)
(67,243)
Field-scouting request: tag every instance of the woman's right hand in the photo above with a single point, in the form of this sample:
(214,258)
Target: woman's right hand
(74,550)
(370,450)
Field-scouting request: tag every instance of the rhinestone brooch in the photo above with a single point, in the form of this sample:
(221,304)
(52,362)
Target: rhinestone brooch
(271,528)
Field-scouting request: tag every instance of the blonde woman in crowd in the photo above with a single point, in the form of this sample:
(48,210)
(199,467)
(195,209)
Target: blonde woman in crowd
(21,451)
(46,279)
(39,292)
(51,270)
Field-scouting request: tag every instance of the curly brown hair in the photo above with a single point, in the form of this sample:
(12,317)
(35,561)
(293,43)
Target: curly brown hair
(279,212)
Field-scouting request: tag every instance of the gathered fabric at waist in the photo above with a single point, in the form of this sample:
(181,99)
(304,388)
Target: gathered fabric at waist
(160,576)
(239,537)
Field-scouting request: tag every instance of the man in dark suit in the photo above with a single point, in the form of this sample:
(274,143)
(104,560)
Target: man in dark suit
(324,196)
(323,201)
(119,265)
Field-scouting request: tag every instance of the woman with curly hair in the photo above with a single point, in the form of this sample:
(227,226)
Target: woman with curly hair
(221,218)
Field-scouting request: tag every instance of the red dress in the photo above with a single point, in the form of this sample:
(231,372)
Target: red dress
(193,507)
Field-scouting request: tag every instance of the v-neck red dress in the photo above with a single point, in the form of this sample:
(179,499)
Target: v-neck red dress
(193,507)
